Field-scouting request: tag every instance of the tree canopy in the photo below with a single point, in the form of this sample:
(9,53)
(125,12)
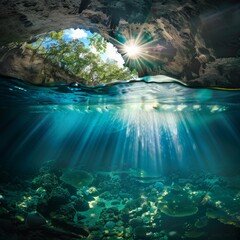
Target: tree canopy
(77,59)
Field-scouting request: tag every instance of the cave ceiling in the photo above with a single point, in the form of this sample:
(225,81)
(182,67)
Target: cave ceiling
(195,41)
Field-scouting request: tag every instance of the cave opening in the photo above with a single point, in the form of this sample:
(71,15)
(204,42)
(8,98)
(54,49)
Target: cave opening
(86,56)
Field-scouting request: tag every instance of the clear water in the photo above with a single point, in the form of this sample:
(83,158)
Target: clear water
(145,132)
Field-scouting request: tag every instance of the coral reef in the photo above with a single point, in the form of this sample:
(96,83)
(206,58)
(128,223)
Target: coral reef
(171,208)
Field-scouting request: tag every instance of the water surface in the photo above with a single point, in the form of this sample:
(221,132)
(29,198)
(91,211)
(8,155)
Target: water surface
(143,159)
(157,127)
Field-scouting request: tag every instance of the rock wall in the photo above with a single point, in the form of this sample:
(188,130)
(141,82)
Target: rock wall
(182,38)
(33,68)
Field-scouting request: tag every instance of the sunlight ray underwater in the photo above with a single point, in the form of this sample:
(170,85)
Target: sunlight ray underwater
(128,127)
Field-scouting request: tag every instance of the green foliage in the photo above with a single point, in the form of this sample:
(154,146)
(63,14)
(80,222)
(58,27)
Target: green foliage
(98,42)
(57,35)
(78,60)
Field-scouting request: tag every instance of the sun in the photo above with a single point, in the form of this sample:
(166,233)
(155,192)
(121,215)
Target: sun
(137,49)
(132,49)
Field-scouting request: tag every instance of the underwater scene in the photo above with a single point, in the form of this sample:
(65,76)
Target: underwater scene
(142,159)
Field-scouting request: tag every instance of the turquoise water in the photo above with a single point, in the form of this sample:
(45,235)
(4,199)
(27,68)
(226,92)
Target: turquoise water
(169,141)
(158,128)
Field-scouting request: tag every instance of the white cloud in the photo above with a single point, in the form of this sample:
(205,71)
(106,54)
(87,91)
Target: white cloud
(77,33)
(112,53)
(93,49)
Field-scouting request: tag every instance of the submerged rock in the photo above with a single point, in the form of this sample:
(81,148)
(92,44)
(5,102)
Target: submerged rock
(134,204)
(201,222)
(77,178)
(3,212)
(110,225)
(46,181)
(177,204)
(35,220)
(140,219)
(176,211)
(74,228)
(81,204)
(58,197)
(110,214)
(64,213)
(159,186)
(135,222)
(141,232)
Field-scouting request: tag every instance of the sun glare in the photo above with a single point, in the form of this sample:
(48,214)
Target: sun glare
(138,49)
(132,50)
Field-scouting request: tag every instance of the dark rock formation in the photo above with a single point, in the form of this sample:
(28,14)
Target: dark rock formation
(223,72)
(187,39)
(33,68)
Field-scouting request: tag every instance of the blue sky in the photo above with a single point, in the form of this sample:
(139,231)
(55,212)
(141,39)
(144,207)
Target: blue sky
(71,33)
